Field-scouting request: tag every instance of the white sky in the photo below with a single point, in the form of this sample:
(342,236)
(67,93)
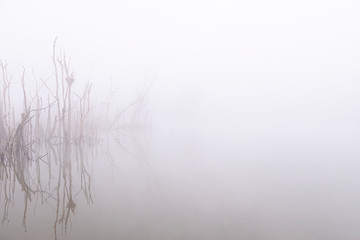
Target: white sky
(224,61)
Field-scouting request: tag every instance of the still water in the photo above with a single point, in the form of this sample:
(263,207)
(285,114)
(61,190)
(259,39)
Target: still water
(188,184)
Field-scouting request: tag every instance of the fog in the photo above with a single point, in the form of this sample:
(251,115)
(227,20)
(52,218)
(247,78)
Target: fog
(207,120)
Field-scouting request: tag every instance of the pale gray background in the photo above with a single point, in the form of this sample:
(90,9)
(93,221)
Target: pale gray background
(254,108)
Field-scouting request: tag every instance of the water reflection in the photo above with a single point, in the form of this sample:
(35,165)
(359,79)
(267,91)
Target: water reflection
(53,178)
(58,175)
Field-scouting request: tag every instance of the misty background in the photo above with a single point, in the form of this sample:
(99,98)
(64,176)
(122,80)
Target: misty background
(254,109)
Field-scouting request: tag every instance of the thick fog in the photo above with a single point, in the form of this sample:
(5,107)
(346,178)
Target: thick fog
(249,125)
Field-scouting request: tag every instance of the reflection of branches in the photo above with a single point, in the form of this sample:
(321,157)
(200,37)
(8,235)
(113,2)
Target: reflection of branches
(18,169)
